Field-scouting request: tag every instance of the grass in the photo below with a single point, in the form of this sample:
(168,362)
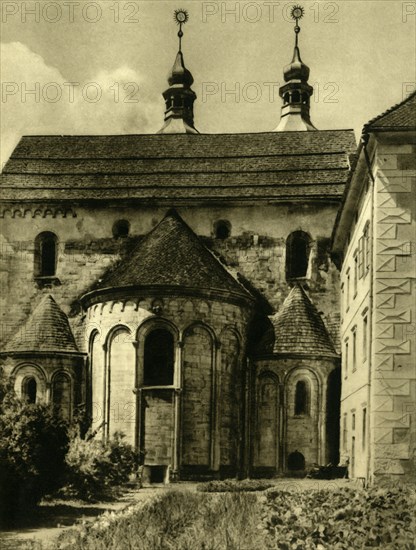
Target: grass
(300,518)
(178,520)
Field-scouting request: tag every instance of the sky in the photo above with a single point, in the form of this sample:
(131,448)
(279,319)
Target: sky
(99,67)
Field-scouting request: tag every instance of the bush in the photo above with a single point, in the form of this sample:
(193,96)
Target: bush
(342,518)
(33,444)
(233,486)
(95,468)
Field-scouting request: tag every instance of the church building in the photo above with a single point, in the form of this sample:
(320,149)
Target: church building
(179,286)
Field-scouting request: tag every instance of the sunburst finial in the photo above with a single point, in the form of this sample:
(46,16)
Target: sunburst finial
(181,17)
(296,13)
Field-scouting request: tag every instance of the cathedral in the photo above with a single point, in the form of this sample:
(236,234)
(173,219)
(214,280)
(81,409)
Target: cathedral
(179,286)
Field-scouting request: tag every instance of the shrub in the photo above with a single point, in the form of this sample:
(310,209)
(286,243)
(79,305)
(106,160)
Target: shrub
(342,518)
(95,468)
(233,486)
(33,444)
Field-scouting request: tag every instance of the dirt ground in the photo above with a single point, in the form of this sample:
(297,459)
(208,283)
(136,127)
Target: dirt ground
(52,518)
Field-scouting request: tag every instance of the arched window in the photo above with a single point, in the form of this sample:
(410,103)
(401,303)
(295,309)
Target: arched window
(296,461)
(301,398)
(222,229)
(29,390)
(46,254)
(121,229)
(158,358)
(297,254)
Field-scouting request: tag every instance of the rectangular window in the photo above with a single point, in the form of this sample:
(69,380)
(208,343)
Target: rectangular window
(364,434)
(365,337)
(342,300)
(346,358)
(355,272)
(354,349)
(348,289)
(353,421)
(367,248)
(361,257)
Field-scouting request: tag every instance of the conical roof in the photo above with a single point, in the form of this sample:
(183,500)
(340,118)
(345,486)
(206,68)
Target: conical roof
(299,328)
(172,255)
(46,330)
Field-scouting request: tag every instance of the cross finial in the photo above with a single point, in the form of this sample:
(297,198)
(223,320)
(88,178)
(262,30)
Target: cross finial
(181,17)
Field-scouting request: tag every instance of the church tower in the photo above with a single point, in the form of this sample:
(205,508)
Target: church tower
(179,97)
(296,92)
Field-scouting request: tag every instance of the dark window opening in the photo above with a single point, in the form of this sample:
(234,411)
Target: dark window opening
(121,229)
(222,229)
(296,461)
(286,98)
(45,254)
(333,414)
(157,474)
(158,358)
(297,254)
(30,390)
(301,398)
(295,97)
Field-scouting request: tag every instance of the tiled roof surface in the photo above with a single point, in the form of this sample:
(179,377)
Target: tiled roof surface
(46,330)
(172,255)
(298,328)
(155,168)
(402,115)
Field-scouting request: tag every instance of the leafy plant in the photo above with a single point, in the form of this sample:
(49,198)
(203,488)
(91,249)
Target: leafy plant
(33,444)
(94,468)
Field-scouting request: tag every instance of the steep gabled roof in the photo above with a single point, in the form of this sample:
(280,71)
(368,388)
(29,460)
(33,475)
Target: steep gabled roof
(172,255)
(162,169)
(299,328)
(46,330)
(400,116)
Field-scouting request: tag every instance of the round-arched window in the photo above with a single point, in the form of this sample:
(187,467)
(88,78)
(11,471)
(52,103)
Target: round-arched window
(158,358)
(121,228)
(29,389)
(222,229)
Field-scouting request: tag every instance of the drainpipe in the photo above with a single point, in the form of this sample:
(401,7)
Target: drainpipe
(364,140)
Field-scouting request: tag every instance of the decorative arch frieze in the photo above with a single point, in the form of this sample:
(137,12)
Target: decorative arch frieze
(36,212)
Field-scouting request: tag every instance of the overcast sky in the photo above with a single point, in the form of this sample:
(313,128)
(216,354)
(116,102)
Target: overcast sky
(117,56)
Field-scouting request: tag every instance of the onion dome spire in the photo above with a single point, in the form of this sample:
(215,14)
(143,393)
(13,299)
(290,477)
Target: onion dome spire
(179,97)
(296,92)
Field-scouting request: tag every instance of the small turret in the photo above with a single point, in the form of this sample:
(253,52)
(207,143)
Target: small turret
(296,92)
(179,97)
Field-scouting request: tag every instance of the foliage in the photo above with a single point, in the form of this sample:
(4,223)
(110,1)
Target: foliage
(180,520)
(94,468)
(33,444)
(234,486)
(344,518)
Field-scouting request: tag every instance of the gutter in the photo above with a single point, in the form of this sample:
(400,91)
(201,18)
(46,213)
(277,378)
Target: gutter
(364,140)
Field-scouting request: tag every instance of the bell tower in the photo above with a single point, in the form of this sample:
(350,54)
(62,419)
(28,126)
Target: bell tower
(179,97)
(296,92)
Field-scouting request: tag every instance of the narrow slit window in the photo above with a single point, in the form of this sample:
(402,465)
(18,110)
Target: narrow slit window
(301,398)
(46,254)
(298,246)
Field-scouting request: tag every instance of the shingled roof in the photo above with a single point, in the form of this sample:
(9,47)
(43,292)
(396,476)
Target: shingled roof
(159,169)
(46,330)
(171,255)
(298,329)
(400,116)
